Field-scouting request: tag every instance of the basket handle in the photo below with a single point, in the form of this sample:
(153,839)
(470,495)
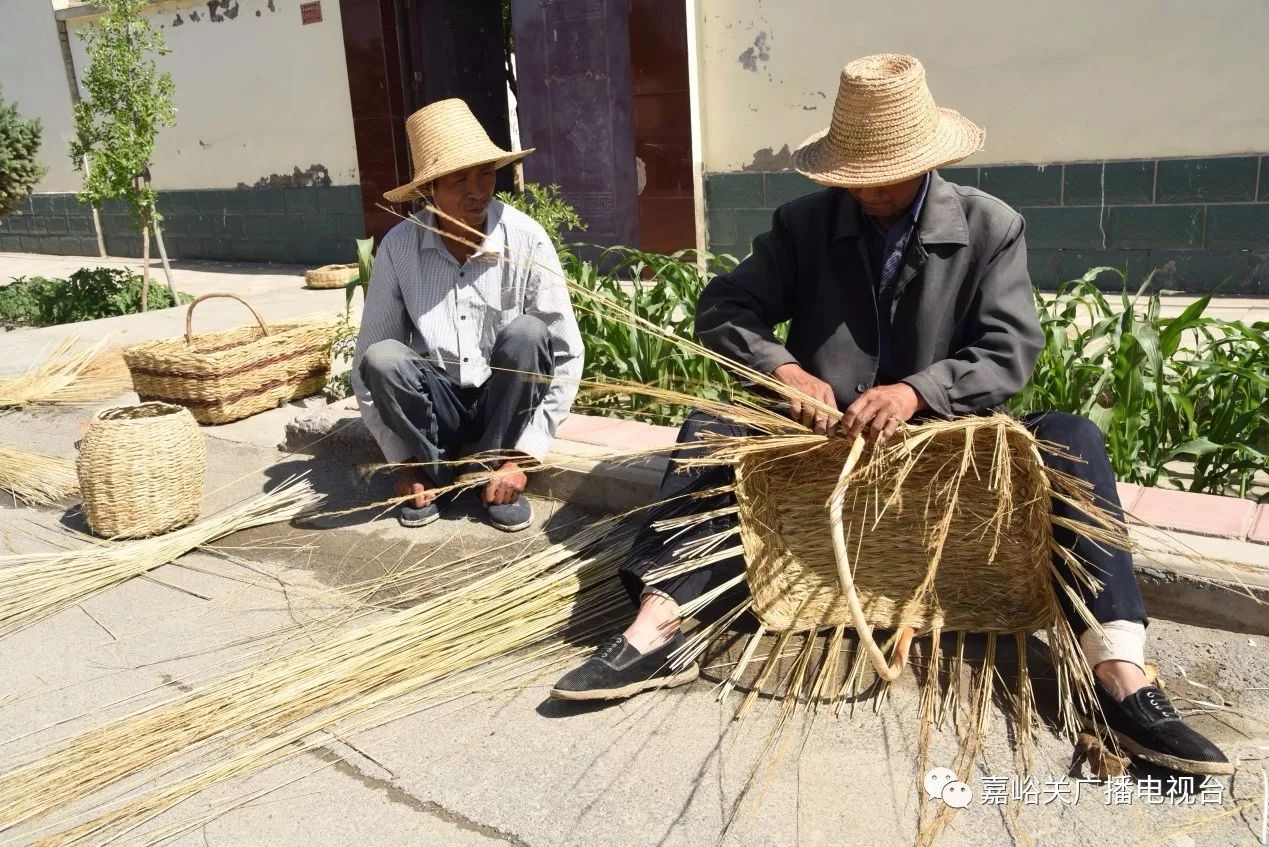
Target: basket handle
(885,671)
(189,313)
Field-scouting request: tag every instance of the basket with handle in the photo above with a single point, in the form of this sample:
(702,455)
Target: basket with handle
(331,276)
(141,470)
(952,533)
(226,376)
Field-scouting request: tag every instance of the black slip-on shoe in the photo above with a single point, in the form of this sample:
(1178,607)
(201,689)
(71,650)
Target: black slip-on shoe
(511,517)
(618,670)
(410,516)
(1147,727)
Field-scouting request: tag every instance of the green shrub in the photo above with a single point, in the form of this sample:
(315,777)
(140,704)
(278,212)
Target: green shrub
(87,295)
(544,204)
(1165,391)
(19,168)
(663,290)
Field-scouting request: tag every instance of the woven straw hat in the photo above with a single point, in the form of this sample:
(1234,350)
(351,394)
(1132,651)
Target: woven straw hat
(885,128)
(446,137)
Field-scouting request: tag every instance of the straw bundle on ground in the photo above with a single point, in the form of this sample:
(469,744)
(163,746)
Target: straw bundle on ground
(35,585)
(36,477)
(67,377)
(259,715)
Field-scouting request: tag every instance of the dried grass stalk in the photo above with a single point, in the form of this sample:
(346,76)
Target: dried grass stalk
(66,377)
(36,477)
(36,585)
(262,714)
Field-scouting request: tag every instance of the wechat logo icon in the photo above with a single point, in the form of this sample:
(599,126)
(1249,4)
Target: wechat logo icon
(942,784)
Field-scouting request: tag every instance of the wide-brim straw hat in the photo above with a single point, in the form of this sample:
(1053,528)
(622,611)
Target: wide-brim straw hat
(885,128)
(446,137)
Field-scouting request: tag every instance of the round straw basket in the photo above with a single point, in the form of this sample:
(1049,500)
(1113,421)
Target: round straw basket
(331,276)
(141,470)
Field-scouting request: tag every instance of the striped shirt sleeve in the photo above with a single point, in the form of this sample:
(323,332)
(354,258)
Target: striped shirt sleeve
(383,317)
(546,297)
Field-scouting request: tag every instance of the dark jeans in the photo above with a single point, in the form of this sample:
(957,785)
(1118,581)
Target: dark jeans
(443,421)
(1119,598)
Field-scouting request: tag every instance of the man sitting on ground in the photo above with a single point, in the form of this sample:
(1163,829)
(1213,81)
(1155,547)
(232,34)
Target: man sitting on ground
(905,295)
(464,351)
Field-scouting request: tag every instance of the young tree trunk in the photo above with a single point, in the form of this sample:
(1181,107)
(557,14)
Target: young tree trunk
(145,263)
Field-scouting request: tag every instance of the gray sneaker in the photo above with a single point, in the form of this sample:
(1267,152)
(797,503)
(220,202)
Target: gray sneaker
(408,515)
(511,517)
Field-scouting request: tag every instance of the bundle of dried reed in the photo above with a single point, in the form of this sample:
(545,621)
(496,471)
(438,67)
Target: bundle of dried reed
(36,477)
(67,377)
(35,585)
(258,716)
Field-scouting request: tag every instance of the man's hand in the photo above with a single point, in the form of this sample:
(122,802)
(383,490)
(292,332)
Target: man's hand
(793,375)
(506,486)
(411,482)
(880,411)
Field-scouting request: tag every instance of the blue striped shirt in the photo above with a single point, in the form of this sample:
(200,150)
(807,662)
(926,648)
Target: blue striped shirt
(420,295)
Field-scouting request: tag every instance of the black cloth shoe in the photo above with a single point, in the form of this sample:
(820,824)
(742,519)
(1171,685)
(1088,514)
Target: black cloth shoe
(511,517)
(408,515)
(618,670)
(1147,727)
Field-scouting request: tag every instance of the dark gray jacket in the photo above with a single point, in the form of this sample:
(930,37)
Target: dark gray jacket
(965,334)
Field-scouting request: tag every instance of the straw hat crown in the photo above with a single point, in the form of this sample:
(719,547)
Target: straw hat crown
(446,137)
(885,128)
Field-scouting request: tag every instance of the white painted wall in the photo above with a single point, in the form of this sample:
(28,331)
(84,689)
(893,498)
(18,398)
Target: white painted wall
(1052,81)
(256,95)
(32,74)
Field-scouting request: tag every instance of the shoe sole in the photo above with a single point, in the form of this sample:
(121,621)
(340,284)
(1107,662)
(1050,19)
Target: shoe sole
(681,678)
(510,527)
(1175,763)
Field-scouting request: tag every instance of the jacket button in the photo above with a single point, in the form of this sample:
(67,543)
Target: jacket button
(861,388)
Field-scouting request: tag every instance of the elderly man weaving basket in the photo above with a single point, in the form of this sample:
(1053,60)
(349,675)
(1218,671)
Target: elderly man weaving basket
(906,295)
(462,352)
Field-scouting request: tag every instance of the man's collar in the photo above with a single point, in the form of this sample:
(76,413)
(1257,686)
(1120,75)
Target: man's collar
(495,238)
(940,219)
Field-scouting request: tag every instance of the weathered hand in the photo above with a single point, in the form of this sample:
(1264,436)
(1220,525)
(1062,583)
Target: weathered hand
(410,482)
(880,411)
(506,486)
(793,375)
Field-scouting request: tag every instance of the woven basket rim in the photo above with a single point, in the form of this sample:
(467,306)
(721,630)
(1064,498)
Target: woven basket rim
(278,332)
(161,409)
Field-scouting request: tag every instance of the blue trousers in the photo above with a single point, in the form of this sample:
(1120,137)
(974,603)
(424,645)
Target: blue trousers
(443,421)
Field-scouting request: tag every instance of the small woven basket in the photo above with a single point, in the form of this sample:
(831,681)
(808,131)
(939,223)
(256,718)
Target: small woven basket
(331,276)
(226,376)
(984,477)
(141,470)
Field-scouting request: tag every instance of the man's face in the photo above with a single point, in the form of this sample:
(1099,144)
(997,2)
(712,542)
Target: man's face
(888,201)
(465,194)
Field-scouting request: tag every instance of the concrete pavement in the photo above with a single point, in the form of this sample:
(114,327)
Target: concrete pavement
(508,766)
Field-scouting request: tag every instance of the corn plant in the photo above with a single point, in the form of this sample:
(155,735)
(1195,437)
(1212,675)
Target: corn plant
(662,289)
(1179,399)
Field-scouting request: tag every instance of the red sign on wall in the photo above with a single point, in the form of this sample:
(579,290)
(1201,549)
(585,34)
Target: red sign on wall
(311,13)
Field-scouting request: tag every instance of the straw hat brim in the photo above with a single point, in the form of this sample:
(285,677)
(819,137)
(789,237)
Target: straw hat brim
(823,161)
(413,189)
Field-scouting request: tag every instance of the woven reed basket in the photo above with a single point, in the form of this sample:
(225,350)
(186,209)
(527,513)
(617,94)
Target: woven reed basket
(141,470)
(331,276)
(793,571)
(226,376)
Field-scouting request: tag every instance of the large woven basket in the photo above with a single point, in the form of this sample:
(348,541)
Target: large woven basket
(225,376)
(141,470)
(985,478)
(331,276)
